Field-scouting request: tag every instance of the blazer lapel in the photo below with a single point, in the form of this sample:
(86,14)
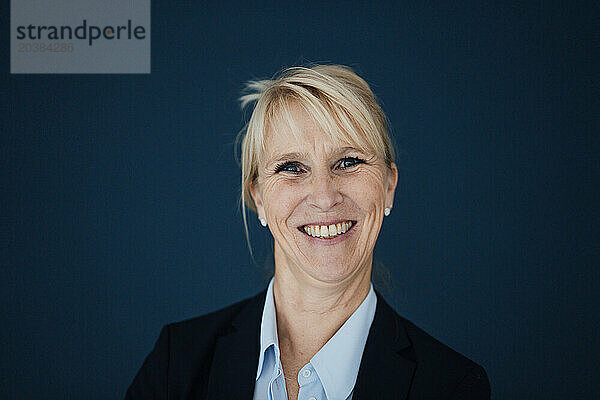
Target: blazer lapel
(387,368)
(233,369)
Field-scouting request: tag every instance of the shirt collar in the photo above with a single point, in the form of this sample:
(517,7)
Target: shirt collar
(338,361)
(268,329)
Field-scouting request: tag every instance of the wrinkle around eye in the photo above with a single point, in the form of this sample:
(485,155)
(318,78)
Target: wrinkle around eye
(354,160)
(293,167)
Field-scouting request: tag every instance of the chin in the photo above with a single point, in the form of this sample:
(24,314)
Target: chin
(331,271)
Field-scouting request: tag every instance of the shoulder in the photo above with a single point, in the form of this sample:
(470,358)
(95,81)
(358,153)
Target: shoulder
(432,351)
(215,321)
(438,365)
(181,358)
(202,330)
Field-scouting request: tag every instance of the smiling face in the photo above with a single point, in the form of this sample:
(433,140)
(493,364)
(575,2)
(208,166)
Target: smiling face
(323,201)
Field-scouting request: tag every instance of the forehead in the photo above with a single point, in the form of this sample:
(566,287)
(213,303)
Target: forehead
(294,129)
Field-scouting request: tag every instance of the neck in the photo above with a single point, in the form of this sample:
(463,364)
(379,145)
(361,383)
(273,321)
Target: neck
(310,311)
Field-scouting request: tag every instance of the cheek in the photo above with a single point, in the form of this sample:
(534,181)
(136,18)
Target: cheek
(280,200)
(367,190)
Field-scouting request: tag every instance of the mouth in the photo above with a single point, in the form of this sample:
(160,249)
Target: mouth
(327,231)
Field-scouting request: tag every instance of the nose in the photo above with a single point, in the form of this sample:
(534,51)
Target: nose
(324,192)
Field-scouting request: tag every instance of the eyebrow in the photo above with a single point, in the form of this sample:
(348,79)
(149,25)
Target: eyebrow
(299,156)
(289,156)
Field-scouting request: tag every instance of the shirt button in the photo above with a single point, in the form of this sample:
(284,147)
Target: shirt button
(306,374)
(312,398)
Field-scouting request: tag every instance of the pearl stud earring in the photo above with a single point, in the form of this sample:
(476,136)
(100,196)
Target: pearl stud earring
(263,221)
(387,211)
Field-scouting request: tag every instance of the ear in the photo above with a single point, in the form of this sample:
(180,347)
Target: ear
(256,194)
(391,182)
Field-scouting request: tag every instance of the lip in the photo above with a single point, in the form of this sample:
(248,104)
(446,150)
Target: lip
(329,242)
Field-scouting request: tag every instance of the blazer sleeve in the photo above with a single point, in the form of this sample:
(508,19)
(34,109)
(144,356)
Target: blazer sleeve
(474,386)
(151,380)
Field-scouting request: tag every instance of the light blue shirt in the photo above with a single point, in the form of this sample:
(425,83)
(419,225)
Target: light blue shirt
(331,373)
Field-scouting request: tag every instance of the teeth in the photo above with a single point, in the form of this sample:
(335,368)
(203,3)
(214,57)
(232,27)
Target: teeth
(324,231)
(332,230)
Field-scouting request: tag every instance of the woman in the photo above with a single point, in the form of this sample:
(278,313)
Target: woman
(318,169)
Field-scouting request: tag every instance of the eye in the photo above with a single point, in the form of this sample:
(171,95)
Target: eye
(349,162)
(293,167)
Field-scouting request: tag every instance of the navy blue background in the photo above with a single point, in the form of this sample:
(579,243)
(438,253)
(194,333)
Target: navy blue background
(119,208)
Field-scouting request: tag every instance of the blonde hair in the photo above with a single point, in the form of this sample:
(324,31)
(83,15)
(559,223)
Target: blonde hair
(340,102)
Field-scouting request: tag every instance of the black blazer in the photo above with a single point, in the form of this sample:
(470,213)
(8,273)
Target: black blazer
(215,356)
